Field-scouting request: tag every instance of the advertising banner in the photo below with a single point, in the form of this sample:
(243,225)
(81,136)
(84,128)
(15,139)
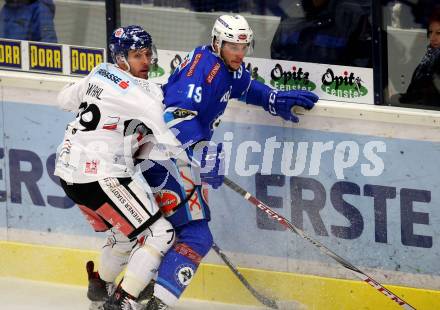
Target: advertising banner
(336,83)
(370,199)
(330,82)
(10,54)
(373,199)
(49,58)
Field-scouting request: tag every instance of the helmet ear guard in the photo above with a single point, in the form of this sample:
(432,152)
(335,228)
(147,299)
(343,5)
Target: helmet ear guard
(233,29)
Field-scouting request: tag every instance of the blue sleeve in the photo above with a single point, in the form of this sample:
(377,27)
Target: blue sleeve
(257,94)
(183,95)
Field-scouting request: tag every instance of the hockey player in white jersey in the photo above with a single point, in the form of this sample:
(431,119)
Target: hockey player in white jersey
(116,107)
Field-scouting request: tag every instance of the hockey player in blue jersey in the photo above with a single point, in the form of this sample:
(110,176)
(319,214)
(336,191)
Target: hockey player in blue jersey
(195,96)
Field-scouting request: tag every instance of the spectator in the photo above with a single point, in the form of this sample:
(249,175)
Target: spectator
(424,88)
(30,20)
(215,5)
(422,11)
(331,31)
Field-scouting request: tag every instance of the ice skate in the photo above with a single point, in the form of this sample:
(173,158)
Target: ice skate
(146,294)
(98,290)
(121,300)
(156,304)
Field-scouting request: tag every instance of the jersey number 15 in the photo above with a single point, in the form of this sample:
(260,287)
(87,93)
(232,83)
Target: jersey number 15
(195,93)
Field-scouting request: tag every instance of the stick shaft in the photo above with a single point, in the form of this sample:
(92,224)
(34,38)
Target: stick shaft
(260,297)
(284,222)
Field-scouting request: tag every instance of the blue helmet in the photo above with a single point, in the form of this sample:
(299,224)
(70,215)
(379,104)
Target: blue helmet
(129,38)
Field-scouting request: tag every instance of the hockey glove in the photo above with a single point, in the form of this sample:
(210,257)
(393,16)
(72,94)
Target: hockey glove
(280,103)
(212,168)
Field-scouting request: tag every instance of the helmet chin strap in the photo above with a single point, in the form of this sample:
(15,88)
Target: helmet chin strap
(217,46)
(122,59)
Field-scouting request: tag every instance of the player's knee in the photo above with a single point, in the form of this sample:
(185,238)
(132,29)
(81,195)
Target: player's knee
(118,242)
(159,236)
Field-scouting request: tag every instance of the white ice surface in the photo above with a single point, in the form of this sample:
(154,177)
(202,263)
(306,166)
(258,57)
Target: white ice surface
(18,294)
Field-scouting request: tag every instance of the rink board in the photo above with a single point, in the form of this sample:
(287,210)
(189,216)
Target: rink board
(367,188)
(214,282)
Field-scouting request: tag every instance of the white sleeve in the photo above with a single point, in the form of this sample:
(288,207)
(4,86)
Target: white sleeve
(69,98)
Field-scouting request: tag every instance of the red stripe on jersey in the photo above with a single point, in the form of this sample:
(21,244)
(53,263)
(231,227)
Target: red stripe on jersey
(194,64)
(115,219)
(110,127)
(213,73)
(94,219)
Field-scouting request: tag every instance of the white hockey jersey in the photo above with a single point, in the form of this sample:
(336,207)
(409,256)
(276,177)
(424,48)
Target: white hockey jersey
(115,110)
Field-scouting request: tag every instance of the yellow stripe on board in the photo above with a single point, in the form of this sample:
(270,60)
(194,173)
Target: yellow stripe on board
(216,282)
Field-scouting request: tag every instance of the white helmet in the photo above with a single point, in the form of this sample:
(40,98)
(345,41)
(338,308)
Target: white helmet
(228,28)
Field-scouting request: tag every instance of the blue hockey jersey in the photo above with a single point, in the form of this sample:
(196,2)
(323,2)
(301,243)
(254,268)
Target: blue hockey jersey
(197,93)
(195,97)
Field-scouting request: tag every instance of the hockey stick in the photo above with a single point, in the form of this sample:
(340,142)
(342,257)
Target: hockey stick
(283,221)
(261,298)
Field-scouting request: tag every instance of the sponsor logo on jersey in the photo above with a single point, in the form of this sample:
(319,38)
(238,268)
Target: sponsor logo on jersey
(293,78)
(126,202)
(184,275)
(167,201)
(124,84)
(45,57)
(213,73)
(144,84)
(346,85)
(127,205)
(94,91)
(83,60)
(182,113)
(10,54)
(194,64)
(185,250)
(133,213)
(92,167)
(114,78)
